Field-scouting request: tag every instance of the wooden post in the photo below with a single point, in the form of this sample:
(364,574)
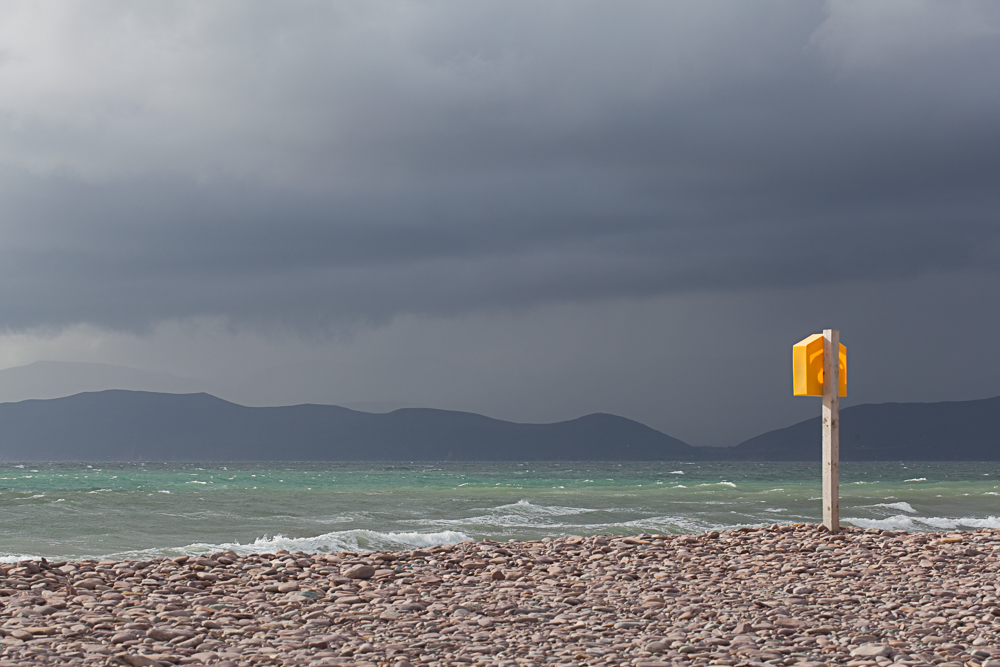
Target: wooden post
(831,429)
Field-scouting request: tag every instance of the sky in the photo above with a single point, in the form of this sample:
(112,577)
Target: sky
(529,210)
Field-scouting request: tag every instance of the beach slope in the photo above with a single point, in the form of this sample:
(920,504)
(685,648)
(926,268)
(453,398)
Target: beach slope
(781,595)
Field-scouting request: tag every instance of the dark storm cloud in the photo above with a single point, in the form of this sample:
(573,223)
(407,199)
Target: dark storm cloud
(319,163)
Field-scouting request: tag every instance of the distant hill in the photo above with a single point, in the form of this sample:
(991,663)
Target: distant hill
(949,431)
(118,425)
(56,379)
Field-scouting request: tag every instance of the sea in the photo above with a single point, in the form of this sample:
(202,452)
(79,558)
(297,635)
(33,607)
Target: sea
(66,511)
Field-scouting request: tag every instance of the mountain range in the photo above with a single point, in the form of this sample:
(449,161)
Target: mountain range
(945,431)
(119,425)
(122,425)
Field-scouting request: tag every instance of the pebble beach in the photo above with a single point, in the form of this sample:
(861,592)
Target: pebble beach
(785,595)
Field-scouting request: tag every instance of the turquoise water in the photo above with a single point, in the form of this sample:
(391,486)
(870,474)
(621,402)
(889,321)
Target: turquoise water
(132,510)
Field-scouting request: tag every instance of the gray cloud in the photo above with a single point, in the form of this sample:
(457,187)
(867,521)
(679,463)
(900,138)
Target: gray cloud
(321,164)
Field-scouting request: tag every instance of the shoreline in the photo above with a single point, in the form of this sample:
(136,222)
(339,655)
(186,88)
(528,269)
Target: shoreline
(778,594)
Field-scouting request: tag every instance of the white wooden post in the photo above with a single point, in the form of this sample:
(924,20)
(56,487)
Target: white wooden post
(831,429)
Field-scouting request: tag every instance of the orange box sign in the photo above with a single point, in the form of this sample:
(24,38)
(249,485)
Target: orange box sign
(807,367)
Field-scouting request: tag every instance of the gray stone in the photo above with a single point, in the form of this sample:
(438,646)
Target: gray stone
(164,634)
(872,651)
(205,656)
(138,660)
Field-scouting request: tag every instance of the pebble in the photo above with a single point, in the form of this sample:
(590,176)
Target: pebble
(872,651)
(360,572)
(788,595)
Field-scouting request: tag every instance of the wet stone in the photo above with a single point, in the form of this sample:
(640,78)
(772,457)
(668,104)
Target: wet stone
(360,572)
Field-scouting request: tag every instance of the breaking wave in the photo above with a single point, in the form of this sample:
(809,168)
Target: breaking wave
(902,507)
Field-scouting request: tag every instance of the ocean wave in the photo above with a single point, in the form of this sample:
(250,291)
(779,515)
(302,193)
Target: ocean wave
(543,510)
(925,523)
(902,507)
(525,518)
(522,514)
(916,479)
(668,524)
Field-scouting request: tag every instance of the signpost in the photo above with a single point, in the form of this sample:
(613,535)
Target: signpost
(816,373)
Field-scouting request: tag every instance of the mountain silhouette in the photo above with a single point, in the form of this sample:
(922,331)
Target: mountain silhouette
(946,431)
(119,425)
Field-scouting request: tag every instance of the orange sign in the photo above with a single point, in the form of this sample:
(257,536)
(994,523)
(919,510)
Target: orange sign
(807,367)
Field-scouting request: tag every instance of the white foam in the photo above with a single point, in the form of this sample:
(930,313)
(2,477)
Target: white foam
(13,558)
(718,484)
(677,472)
(925,524)
(916,479)
(346,540)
